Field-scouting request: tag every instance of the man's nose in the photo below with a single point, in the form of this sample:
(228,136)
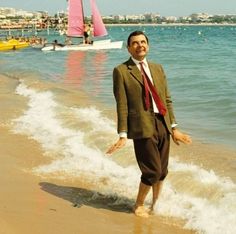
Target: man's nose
(139,43)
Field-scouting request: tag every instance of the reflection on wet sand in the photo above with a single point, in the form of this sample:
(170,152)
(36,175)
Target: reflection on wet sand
(75,68)
(88,79)
(99,60)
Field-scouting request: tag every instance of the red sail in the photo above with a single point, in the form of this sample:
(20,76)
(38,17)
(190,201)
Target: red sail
(75,18)
(98,25)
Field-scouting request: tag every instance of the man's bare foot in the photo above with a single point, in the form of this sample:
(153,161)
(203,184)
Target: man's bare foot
(151,211)
(141,211)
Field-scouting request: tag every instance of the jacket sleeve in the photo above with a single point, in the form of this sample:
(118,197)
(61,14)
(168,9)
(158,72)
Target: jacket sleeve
(121,100)
(168,100)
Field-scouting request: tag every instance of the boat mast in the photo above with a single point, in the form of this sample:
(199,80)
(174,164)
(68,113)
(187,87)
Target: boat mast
(82,9)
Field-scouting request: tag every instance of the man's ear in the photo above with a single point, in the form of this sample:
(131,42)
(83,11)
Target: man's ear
(127,48)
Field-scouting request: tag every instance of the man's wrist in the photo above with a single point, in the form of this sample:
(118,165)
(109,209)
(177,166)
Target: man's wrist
(174,126)
(123,134)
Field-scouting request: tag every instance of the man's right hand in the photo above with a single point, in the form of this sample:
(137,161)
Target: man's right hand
(119,144)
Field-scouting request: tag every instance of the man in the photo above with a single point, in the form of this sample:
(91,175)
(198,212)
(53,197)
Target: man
(87,33)
(145,114)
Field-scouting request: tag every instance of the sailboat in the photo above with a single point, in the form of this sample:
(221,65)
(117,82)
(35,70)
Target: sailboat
(76,29)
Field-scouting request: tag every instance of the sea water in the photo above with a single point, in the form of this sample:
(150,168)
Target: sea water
(71,113)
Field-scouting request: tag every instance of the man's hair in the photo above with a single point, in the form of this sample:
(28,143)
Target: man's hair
(135,33)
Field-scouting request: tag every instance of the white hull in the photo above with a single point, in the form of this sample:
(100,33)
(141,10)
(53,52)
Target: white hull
(97,45)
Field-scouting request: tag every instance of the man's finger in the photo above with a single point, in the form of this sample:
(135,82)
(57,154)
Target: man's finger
(111,149)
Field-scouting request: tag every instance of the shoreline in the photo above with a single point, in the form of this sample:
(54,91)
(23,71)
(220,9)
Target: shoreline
(14,28)
(47,204)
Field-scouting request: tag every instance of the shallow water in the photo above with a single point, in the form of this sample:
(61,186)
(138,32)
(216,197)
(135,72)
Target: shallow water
(199,62)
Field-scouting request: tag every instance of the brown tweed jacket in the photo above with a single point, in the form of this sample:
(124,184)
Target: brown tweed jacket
(128,91)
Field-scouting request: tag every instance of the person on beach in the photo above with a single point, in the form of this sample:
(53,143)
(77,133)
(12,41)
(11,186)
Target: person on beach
(55,43)
(145,114)
(87,34)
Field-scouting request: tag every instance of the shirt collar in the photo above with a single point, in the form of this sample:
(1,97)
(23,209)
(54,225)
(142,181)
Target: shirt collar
(137,62)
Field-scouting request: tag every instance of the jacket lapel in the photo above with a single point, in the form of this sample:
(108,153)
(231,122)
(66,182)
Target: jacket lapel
(134,71)
(155,74)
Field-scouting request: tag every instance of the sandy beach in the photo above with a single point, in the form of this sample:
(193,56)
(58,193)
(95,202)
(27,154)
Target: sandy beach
(31,204)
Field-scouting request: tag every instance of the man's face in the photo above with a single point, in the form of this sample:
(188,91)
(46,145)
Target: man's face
(138,47)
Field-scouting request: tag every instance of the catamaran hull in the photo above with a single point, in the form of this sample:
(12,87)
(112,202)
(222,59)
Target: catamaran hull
(97,45)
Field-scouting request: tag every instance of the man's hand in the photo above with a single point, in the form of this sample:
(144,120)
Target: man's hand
(178,136)
(119,144)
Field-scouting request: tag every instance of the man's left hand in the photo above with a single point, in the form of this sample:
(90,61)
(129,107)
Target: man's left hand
(178,136)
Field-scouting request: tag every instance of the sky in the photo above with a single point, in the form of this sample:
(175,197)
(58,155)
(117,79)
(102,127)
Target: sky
(122,7)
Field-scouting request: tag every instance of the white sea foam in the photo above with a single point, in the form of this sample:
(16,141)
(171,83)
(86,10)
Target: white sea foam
(40,121)
(96,120)
(202,175)
(76,158)
(203,214)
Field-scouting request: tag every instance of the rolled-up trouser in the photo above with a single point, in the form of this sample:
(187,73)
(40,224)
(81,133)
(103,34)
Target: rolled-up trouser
(152,154)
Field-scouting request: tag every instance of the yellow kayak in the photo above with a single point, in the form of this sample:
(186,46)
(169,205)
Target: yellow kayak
(13,44)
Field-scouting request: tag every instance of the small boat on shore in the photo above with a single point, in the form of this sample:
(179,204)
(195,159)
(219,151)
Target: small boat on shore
(13,44)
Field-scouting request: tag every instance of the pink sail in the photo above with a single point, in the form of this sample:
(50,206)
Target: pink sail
(75,18)
(98,25)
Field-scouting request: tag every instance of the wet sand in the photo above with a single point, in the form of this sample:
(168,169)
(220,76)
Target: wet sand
(32,204)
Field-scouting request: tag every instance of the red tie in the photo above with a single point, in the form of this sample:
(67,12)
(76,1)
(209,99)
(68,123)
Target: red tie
(148,86)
